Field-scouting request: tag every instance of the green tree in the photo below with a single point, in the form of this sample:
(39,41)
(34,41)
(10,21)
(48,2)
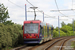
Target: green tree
(8,22)
(63,24)
(55,33)
(56,28)
(3,13)
(69,24)
(10,35)
(67,30)
(73,23)
(62,33)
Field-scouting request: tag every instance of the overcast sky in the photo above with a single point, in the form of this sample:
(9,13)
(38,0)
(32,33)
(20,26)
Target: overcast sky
(16,9)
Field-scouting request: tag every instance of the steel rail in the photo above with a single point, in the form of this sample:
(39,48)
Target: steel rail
(64,43)
(57,41)
(52,44)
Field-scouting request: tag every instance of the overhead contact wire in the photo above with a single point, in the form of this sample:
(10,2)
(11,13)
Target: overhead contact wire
(58,8)
(38,9)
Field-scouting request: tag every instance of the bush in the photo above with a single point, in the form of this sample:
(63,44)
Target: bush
(62,33)
(10,35)
(55,33)
(66,28)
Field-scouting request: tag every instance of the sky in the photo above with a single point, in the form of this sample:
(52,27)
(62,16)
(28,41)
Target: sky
(16,9)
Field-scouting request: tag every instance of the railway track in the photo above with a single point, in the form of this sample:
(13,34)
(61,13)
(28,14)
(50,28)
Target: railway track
(25,47)
(63,44)
(60,46)
(47,45)
(52,44)
(17,48)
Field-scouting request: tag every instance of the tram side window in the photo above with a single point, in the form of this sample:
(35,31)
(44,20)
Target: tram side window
(41,28)
(51,30)
(48,31)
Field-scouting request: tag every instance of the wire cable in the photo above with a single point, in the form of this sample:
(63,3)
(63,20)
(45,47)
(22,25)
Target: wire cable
(39,10)
(63,10)
(15,4)
(58,8)
(29,3)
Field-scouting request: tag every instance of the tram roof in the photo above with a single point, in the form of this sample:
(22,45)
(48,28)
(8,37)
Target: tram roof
(41,23)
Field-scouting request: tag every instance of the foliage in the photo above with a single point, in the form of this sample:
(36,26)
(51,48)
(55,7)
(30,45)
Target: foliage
(3,13)
(55,33)
(10,35)
(66,28)
(8,22)
(69,24)
(62,33)
(63,24)
(73,44)
(56,28)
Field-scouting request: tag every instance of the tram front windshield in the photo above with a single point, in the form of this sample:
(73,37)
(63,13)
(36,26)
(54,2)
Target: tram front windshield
(31,28)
